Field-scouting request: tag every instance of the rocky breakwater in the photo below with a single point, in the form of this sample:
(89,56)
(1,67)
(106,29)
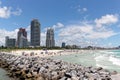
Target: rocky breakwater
(36,68)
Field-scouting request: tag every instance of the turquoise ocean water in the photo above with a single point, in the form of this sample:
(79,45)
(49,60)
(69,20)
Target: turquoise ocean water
(3,75)
(108,59)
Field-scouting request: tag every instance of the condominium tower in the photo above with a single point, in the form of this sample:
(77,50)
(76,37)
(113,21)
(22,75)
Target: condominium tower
(10,42)
(35,33)
(50,42)
(22,38)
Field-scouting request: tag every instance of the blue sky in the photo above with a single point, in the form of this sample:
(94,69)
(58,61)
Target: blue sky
(80,22)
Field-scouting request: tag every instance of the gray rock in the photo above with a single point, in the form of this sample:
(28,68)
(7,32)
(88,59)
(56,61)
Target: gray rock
(42,69)
(68,75)
(63,78)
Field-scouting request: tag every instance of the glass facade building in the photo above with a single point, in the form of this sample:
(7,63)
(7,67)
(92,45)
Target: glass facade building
(50,42)
(22,38)
(10,42)
(35,33)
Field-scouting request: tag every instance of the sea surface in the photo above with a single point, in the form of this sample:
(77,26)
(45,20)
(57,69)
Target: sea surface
(108,59)
(3,75)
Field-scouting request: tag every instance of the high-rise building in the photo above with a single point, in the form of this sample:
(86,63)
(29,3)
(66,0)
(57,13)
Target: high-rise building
(50,42)
(63,44)
(35,33)
(23,42)
(10,42)
(22,38)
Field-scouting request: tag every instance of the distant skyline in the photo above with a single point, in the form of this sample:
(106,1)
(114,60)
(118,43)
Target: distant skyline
(80,22)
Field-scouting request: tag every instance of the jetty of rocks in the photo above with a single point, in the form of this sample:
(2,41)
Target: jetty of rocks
(37,68)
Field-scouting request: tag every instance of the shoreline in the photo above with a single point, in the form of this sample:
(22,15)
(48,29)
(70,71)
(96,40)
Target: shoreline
(3,75)
(22,68)
(47,53)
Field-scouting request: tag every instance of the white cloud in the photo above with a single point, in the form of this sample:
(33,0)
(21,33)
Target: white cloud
(4,33)
(83,32)
(28,32)
(87,31)
(6,12)
(101,35)
(70,30)
(82,10)
(43,38)
(106,20)
(76,33)
(58,26)
(28,28)
(17,12)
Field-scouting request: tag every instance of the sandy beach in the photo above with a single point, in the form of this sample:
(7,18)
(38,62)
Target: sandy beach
(44,53)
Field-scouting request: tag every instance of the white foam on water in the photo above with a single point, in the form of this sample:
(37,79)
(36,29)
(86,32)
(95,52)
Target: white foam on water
(99,65)
(99,58)
(108,60)
(100,61)
(102,57)
(114,60)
